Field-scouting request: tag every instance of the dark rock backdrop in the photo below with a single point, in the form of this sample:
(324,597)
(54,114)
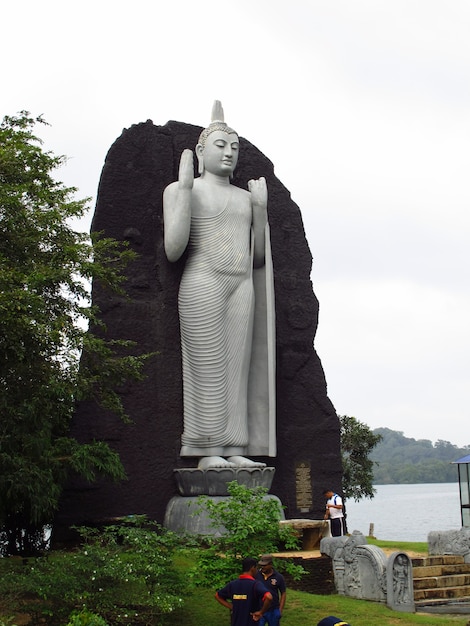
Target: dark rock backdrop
(138,167)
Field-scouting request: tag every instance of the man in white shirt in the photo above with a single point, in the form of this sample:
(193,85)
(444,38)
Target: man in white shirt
(334,511)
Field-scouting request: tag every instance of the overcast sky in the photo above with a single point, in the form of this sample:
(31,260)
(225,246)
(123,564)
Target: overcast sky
(363,106)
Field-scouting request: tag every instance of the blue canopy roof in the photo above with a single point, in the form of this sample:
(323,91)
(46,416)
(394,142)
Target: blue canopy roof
(464,459)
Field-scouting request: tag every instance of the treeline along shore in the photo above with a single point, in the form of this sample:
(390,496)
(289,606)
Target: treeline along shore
(403,460)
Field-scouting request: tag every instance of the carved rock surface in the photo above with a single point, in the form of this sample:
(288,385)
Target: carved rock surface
(138,167)
(450,542)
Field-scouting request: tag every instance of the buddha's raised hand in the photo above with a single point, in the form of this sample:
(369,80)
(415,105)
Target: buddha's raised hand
(259,192)
(186,170)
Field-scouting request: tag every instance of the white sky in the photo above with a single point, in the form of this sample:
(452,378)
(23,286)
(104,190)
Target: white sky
(364,108)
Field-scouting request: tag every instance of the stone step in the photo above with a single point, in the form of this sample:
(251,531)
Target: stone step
(442,602)
(440,570)
(442,593)
(445,559)
(440,580)
(434,582)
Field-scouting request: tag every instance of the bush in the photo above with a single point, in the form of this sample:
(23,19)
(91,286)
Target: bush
(7,621)
(85,618)
(251,523)
(124,573)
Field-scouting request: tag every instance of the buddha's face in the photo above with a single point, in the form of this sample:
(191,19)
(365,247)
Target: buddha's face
(220,153)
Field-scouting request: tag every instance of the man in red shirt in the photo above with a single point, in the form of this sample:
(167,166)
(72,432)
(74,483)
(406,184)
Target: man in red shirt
(244,595)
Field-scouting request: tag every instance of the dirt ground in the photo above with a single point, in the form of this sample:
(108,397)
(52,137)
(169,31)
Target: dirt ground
(312,554)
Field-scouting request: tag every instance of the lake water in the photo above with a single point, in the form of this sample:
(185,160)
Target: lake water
(407,512)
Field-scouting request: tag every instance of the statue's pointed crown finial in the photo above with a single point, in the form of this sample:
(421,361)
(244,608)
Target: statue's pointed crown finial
(217,112)
(217,123)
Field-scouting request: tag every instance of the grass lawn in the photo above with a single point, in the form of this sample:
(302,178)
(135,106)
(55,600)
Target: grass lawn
(302,609)
(305,609)
(411,547)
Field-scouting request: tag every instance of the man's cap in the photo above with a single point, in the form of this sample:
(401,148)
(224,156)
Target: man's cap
(266,559)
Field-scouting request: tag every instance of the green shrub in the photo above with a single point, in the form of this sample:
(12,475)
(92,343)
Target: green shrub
(251,522)
(124,572)
(85,618)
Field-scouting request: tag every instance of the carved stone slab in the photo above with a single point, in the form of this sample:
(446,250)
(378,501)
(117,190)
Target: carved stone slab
(400,583)
(213,481)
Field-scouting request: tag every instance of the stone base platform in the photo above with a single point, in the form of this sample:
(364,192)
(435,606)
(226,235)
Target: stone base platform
(188,515)
(312,531)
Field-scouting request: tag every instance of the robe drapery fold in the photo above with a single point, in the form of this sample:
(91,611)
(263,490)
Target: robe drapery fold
(227,326)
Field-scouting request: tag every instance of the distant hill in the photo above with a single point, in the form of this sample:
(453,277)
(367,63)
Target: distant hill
(402,460)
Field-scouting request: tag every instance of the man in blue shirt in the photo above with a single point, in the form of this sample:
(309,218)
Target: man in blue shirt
(244,595)
(277,586)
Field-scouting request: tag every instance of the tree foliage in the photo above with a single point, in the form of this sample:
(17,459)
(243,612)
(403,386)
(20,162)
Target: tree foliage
(357,443)
(404,460)
(45,306)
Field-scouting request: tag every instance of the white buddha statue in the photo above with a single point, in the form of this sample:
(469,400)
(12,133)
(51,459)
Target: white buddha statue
(228,390)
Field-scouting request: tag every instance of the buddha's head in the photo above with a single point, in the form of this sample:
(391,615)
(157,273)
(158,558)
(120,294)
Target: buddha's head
(218,145)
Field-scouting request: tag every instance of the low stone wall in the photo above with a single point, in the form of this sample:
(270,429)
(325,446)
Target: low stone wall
(363,571)
(319,578)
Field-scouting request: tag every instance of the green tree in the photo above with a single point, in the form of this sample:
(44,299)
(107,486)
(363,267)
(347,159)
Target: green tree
(357,442)
(45,306)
